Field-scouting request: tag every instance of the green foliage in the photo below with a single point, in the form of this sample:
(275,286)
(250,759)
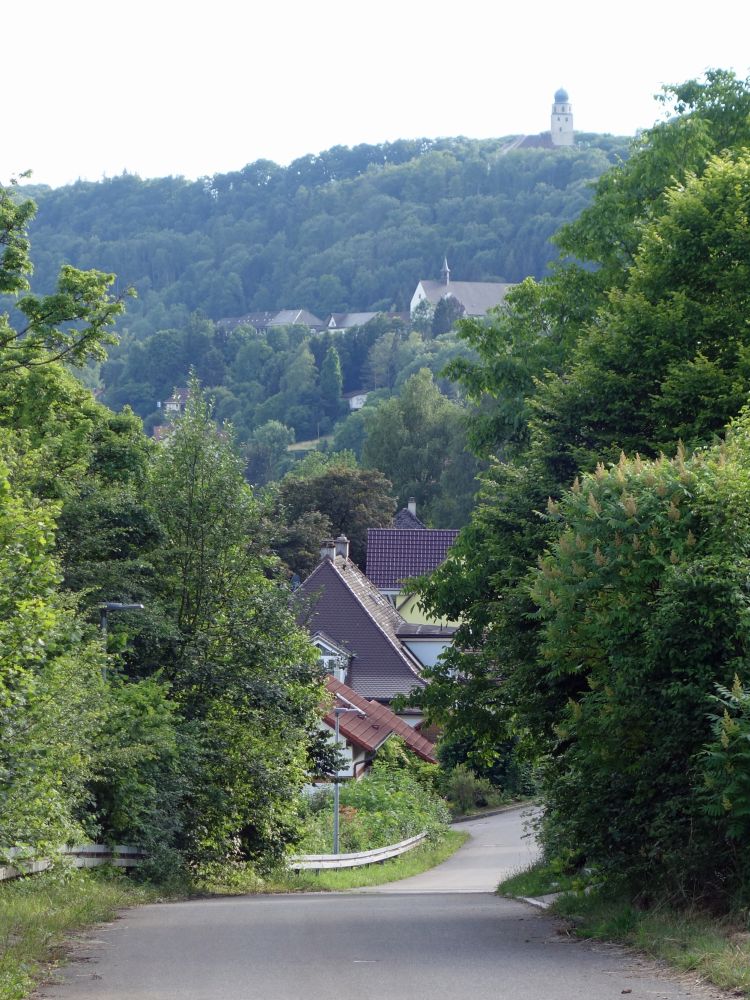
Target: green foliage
(417,440)
(243,677)
(352,500)
(447,312)
(667,358)
(386,806)
(643,598)
(726,762)
(345,229)
(465,791)
(608,680)
(50,680)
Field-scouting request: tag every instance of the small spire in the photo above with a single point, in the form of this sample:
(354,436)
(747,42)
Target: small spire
(445,272)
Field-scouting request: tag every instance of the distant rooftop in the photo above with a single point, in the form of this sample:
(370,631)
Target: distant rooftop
(396,554)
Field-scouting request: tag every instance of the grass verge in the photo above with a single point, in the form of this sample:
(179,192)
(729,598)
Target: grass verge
(37,914)
(690,940)
(414,862)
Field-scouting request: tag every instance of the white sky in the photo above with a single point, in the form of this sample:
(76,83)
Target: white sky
(160,87)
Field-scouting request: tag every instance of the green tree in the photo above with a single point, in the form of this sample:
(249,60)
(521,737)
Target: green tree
(71,324)
(417,439)
(352,500)
(51,691)
(331,382)
(447,312)
(266,451)
(642,596)
(243,675)
(668,358)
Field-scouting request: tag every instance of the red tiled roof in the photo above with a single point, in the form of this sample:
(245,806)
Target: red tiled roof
(377,725)
(395,554)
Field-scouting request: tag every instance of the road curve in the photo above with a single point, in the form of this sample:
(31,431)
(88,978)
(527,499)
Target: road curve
(446,937)
(498,846)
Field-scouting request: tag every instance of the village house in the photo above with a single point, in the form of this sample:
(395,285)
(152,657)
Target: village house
(352,623)
(366,727)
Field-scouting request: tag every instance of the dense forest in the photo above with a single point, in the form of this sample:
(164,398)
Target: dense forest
(346,229)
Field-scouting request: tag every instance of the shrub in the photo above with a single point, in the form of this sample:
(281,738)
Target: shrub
(388,805)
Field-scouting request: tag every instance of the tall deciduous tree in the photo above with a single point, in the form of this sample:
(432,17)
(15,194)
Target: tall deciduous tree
(418,440)
(243,675)
(352,500)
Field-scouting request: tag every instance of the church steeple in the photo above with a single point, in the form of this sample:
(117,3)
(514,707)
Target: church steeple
(445,272)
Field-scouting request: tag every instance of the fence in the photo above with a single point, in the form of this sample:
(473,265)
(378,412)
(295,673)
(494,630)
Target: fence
(122,856)
(88,856)
(306,862)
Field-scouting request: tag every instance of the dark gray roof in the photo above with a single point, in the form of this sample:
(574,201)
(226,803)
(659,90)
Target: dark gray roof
(295,317)
(345,605)
(395,554)
(477,297)
(405,519)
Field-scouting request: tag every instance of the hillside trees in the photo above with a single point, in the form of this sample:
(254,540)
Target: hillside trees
(645,348)
(356,240)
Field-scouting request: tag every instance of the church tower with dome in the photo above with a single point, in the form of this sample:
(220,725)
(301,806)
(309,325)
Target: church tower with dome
(561,124)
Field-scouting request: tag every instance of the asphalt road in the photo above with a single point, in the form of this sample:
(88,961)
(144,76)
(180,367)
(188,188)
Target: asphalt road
(498,846)
(396,944)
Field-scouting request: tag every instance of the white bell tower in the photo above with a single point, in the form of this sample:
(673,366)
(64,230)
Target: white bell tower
(561,124)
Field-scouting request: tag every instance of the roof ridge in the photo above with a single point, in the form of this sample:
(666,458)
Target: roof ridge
(405,654)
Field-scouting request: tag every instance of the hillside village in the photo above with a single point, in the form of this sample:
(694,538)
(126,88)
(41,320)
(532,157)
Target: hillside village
(413,482)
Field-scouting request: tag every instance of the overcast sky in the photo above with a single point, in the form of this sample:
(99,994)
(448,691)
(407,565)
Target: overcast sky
(160,87)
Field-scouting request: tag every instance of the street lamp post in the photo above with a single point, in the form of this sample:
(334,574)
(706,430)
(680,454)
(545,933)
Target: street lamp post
(104,609)
(337,713)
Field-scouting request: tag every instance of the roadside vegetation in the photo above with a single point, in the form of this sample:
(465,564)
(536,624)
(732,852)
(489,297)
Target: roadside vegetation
(38,916)
(602,582)
(716,948)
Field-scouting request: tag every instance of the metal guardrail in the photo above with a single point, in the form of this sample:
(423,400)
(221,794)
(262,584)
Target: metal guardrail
(122,856)
(87,856)
(315,862)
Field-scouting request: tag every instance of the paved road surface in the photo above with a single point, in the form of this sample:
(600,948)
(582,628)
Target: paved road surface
(393,945)
(499,845)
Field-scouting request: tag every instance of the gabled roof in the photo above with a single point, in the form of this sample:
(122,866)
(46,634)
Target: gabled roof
(477,297)
(405,519)
(295,317)
(345,321)
(395,554)
(378,723)
(351,610)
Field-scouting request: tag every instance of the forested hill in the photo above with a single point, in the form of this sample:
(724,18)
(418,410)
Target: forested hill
(346,229)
